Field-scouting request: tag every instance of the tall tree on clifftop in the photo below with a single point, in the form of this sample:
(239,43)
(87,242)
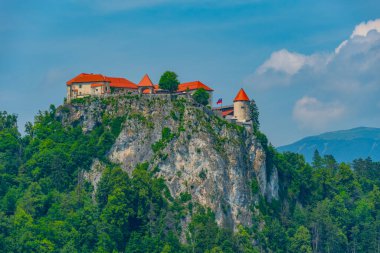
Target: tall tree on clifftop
(169,81)
(254,111)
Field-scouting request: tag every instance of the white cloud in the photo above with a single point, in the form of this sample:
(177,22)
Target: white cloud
(363,28)
(283,61)
(312,113)
(290,63)
(349,76)
(341,45)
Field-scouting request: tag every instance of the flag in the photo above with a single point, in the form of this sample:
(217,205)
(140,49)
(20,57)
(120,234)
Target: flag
(219,101)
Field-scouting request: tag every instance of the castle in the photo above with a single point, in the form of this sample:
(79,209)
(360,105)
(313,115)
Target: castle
(84,85)
(99,85)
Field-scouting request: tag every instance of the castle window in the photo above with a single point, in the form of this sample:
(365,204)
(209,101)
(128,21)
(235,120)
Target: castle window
(242,107)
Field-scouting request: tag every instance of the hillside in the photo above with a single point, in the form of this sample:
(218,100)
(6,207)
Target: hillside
(165,174)
(187,145)
(345,145)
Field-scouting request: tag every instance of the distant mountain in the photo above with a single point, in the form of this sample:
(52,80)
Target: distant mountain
(344,145)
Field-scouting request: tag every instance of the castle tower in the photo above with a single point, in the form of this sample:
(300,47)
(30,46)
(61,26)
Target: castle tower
(241,107)
(146,84)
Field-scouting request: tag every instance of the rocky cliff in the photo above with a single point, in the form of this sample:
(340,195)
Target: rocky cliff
(194,150)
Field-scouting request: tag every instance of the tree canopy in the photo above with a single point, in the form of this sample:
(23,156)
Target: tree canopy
(169,81)
(201,96)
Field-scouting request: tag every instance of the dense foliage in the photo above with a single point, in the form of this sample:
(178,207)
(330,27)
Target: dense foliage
(169,81)
(324,207)
(201,96)
(46,205)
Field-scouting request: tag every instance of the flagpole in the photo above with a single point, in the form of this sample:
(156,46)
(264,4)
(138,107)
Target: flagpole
(220,101)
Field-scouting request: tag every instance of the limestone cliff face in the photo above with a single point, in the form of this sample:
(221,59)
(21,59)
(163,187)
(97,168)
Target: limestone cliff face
(190,147)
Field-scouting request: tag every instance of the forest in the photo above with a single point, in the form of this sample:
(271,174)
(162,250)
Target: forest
(46,205)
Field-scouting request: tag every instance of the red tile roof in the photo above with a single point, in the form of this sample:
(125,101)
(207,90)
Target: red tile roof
(118,82)
(87,78)
(146,91)
(193,86)
(228,112)
(146,82)
(241,96)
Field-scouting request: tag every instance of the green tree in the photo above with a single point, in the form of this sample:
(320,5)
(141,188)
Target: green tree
(10,147)
(330,162)
(169,81)
(166,249)
(277,237)
(327,235)
(368,171)
(203,230)
(244,240)
(301,241)
(7,121)
(201,96)
(254,111)
(317,160)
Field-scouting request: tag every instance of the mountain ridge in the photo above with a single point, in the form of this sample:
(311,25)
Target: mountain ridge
(344,145)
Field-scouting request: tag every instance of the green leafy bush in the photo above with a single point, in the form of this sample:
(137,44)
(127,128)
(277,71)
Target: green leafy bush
(201,96)
(185,197)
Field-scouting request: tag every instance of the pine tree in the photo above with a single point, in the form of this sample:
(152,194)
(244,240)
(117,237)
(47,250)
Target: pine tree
(317,160)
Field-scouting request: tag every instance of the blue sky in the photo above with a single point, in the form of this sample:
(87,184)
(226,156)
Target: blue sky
(284,53)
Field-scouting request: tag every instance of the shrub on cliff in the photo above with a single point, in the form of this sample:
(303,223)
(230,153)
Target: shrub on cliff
(201,96)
